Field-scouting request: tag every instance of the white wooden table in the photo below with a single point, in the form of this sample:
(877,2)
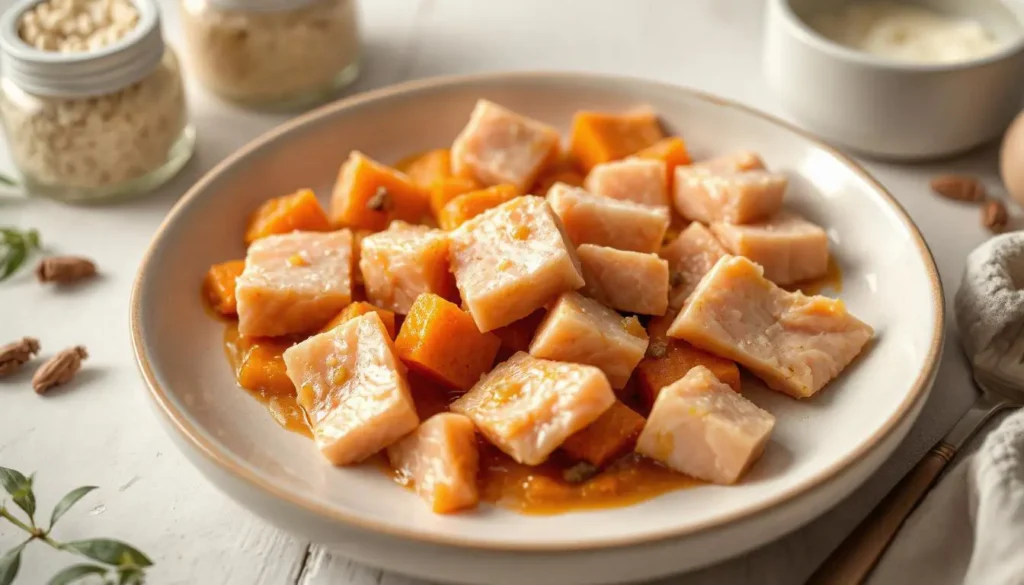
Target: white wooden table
(102,431)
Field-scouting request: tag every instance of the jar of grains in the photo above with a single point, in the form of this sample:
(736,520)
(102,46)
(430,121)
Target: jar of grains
(274,54)
(91,100)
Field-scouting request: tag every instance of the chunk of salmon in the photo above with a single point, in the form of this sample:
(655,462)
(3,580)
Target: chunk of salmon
(731,197)
(788,247)
(583,331)
(511,260)
(694,251)
(403,262)
(528,407)
(736,162)
(500,146)
(294,283)
(353,389)
(628,281)
(602,221)
(638,180)
(441,460)
(795,343)
(700,427)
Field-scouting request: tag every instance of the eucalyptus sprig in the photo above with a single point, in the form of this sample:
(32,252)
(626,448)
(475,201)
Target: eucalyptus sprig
(119,563)
(15,247)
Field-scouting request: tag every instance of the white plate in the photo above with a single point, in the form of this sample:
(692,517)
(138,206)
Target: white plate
(822,447)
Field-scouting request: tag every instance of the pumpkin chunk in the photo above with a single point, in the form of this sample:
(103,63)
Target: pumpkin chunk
(430,167)
(690,255)
(591,219)
(700,427)
(613,434)
(633,179)
(299,211)
(600,137)
(444,190)
(788,247)
(219,286)
(353,389)
(628,281)
(260,366)
(360,308)
(469,205)
(440,340)
(528,407)
(403,262)
(668,360)
(511,260)
(294,283)
(441,460)
(583,331)
(369,195)
(672,151)
(500,146)
(795,343)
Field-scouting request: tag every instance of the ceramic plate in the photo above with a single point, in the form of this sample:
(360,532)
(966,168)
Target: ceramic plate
(821,448)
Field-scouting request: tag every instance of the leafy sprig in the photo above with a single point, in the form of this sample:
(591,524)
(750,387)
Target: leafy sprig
(15,247)
(118,563)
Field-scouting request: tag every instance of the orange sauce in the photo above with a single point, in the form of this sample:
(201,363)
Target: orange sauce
(831,281)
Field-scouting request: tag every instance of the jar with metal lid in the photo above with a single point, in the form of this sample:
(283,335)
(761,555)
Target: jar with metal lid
(91,99)
(272,54)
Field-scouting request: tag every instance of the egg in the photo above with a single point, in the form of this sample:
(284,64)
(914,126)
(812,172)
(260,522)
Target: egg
(1011,159)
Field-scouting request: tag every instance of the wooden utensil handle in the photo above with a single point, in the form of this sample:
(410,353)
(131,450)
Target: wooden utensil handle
(852,562)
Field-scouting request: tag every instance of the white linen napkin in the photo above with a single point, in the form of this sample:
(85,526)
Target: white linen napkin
(970,529)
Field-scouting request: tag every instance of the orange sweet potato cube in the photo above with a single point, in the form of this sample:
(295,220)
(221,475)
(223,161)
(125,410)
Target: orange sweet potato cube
(444,190)
(440,340)
(429,167)
(368,195)
(668,360)
(219,286)
(361,308)
(613,434)
(299,211)
(260,367)
(670,150)
(469,205)
(599,137)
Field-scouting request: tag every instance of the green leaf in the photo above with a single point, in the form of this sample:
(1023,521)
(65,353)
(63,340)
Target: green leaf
(20,488)
(14,249)
(67,501)
(32,237)
(74,573)
(10,563)
(130,577)
(111,552)
(5,180)
(11,480)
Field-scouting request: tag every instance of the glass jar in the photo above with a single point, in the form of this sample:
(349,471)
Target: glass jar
(91,116)
(272,54)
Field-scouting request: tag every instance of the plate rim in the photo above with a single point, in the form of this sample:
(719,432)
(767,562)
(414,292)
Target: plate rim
(226,463)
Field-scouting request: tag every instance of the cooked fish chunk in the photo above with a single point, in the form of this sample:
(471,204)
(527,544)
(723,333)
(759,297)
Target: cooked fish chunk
(602,221)
(441,460)
(353,388)
(627,281)
(730,197)
(294,283)
(500,146)
(736,162)
(402,263)
(788,247)
(511,260)
(701,427)
(528,407)
(634,179)
(694,251)
(795,343)
(583,331)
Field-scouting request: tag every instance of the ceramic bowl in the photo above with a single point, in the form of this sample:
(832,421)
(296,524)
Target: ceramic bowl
(822,450)
(890,109)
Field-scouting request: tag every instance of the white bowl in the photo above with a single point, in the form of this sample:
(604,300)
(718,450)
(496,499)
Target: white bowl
(890,109)
(823,447)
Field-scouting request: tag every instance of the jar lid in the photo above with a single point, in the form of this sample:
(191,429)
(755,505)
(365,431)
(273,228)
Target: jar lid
(87,73)
(260,5)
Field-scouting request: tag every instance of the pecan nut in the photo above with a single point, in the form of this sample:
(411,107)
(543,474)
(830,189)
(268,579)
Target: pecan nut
(16,354)
(959,187)
(59,369)
(64,269)
(994,216)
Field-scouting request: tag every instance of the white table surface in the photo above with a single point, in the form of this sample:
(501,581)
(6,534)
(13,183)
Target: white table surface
(102,431)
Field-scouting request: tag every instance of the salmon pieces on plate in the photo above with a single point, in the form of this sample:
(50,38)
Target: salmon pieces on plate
(577,307)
